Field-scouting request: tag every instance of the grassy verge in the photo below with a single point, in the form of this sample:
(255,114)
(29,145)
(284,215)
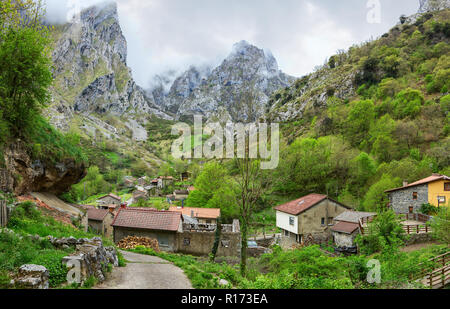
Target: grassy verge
(307,268)
(17,248)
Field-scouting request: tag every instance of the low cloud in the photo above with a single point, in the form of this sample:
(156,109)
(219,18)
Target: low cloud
(171,35)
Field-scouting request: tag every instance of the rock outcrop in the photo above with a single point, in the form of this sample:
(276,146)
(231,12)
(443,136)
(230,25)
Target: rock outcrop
(21,174)
(92,258)
(31,277)
(433,5)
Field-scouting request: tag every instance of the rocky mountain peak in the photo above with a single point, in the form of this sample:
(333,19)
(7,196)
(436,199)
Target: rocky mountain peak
(218,93)
(433,5)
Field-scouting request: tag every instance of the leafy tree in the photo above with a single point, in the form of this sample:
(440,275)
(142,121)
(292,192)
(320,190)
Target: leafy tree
(408,103)
(214,189)
(375,198)
(25,65)
(359,120)
(385,234)
(441,225)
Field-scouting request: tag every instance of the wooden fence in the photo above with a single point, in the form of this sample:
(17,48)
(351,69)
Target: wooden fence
(438,275)
(3,214)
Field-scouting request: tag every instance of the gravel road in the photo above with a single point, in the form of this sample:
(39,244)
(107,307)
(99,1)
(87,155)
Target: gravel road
(146,272)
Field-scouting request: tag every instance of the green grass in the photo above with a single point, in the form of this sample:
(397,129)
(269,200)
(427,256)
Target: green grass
(307,268)
(17,249)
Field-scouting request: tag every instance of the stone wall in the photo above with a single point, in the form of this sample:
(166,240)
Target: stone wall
(91,256)
(401,200)
(344,240)
(201,243)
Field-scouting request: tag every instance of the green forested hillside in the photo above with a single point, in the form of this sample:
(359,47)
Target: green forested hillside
(394,127)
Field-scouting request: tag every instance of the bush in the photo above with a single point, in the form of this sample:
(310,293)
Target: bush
(428,209)
(52,260)
(408,103)
(386,234)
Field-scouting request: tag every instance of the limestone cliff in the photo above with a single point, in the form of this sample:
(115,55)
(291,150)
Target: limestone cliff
(21,174)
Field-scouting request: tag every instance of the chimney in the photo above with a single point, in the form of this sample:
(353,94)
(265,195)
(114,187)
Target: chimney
(192,214)
(123,206)
(405,183)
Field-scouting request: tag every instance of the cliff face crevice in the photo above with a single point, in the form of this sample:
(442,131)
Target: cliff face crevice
(21,174)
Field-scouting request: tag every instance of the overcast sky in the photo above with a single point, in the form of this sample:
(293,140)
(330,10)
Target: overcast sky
(167,35)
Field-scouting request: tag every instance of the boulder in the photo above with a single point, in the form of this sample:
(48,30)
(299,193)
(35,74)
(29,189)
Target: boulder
(32,277)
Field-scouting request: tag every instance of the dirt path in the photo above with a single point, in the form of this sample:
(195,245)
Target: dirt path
(146,272)
(417,247)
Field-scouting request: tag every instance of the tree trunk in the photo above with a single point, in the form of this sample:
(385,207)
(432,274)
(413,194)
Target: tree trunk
(216,240)
(244,246)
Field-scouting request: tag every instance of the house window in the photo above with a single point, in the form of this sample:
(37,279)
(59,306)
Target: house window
(411,209)
(447,186)
(163,240)
(330,220)
(187,241)
(414,195)
(291,220)
(441,199)
(323,221)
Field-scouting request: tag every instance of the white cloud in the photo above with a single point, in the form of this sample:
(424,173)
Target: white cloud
(167,35)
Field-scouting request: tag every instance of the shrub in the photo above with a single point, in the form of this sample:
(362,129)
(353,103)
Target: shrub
(408,103)
(428,209)
(52,260)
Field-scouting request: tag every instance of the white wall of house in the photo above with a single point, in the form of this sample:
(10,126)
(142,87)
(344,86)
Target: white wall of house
(283,222)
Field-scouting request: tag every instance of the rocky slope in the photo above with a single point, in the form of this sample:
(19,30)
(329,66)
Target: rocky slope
(91,74)
(220,94)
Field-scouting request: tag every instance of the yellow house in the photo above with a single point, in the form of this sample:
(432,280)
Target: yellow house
(433,190)
(439,192)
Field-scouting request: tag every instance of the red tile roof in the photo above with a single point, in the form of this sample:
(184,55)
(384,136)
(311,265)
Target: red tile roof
(302,204)
(202,213)
(147,219)
(345,227)
(432,178)
(97,214)
(113,196)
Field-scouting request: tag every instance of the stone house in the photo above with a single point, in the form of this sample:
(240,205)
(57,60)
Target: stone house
(180,195)
(434,190)
(309,216)
(100,220)
(110,199)
(160,225)
(129,181)
(166,181)
(202,215)
(140,195)
(346,227)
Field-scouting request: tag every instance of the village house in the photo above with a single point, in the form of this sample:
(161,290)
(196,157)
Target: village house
(180,195)
(129,181)
(434,190)
(311,215)
(202,215)
(347,227)
(140,195)
(166,181)
(100,220)
(110,199)
(160,225)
